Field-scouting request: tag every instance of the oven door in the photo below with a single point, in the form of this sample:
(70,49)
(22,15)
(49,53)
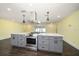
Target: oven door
(31,41)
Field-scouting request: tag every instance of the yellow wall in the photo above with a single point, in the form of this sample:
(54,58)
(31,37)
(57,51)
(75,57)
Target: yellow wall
(28,27)
(69,27)
(51,28)
(7,27)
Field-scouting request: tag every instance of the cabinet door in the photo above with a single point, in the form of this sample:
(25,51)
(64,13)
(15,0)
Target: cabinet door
(21,41)
(42,43)
(13,40)
(58,45)
(43,47)
(51,44)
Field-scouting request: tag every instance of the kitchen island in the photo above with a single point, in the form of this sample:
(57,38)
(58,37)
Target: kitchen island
(42,41)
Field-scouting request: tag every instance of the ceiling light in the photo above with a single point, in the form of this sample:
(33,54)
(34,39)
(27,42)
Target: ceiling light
(39,22)
(9,9)
(30,4)
(58,16)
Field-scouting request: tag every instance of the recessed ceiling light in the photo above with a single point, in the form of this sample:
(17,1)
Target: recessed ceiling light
(30,4)
(39,22)
(58,16)
(9,9)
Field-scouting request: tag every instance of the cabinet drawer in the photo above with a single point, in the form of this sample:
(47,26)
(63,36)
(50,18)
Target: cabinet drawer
(21,39)
(55,37)
(21,44)
(42,37)
(43,47)
(59,38)
(43,42)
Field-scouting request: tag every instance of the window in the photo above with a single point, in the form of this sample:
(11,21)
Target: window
(40,30)
(40,27)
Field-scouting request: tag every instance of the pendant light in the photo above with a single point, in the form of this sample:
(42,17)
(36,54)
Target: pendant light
(23,16)
(47,15)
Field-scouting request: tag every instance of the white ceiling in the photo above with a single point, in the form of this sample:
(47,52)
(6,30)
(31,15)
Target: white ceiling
(57,10)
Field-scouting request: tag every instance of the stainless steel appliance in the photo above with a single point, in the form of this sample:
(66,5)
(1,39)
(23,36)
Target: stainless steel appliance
(31,42)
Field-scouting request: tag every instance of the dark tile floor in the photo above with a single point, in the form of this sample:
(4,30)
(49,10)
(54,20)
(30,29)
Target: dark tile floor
(7,50)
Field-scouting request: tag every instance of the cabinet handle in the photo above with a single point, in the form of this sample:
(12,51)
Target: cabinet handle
(20,39)
(13,37)
(42,47)
(17,42)
(21,43)
(55,38)
(43,41)
(56,41)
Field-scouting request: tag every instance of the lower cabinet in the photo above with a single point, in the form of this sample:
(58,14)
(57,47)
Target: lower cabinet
(18,40)
(13,40)
(21,41)
(46,43)
(43,45)
(56,44)
(53,44)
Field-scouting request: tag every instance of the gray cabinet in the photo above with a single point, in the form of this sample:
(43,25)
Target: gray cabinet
(50,43)
(43,44)
(21,41)
(58,45)
(18,40)
(13,40)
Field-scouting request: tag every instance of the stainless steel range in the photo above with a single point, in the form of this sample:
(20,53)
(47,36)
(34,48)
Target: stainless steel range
(31,42)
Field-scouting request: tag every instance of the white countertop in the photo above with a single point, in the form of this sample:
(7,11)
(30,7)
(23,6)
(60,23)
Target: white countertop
(48,34)
(27,34)
(44,34)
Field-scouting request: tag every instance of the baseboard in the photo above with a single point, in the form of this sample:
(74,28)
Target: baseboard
(5,38)
(72,44)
